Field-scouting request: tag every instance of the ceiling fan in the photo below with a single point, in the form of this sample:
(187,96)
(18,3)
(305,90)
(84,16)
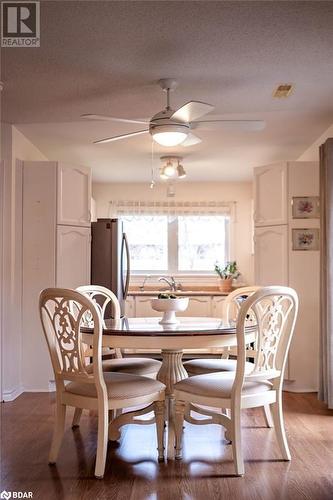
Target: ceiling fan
(173,128)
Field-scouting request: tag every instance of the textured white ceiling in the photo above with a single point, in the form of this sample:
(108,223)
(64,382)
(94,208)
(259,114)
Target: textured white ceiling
(105,57)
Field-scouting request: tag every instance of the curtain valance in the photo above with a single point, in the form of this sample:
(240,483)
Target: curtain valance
(171,208)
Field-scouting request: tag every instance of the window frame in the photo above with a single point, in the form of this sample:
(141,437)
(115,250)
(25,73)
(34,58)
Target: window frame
(172,249)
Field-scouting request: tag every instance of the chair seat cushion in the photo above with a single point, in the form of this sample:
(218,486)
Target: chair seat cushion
(119,386)
(218,385)
(137,366)
(202,366)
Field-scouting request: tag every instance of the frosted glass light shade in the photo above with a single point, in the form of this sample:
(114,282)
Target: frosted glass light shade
(169,138)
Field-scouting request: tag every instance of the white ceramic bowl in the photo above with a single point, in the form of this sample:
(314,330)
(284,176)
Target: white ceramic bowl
(169,307)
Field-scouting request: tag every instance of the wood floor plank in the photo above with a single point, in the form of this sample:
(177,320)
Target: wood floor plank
(133,473)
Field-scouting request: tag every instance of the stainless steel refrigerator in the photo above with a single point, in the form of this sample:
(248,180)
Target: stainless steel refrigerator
(110,259)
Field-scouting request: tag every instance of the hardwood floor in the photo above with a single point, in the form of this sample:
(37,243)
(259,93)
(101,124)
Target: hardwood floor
(133,473)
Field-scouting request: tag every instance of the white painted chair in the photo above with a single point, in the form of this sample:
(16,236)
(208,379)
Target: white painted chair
(148,367)
(231,308)
(275,309)
(62,312)
(102,297)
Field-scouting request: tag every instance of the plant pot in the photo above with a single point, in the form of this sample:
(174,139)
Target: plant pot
(225,285)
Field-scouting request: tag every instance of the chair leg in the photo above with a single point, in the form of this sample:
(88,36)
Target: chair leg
(102,441)
(268,416)
(237,441)
(179,422)
(279,429)
(77,417)
(159,410)
(59,428)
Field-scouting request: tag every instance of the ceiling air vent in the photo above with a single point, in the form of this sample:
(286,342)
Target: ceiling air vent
(283,90)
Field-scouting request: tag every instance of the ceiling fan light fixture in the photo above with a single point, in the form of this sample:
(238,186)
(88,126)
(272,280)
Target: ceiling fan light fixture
(168,170)
(181,171)
(169,139)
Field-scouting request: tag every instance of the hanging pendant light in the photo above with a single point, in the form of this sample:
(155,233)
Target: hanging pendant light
(172,168)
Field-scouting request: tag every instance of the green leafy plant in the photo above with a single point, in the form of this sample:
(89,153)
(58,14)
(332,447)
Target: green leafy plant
(229,271)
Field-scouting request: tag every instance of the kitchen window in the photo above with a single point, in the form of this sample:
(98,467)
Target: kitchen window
(177,244)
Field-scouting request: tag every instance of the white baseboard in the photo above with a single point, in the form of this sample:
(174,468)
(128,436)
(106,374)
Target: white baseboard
(10,395)
(291,386)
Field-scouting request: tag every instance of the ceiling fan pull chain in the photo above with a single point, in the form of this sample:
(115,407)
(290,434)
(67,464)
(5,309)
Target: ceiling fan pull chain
(152,182)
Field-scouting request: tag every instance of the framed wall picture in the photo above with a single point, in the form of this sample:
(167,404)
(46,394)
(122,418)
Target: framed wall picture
(305,207)
(305,239)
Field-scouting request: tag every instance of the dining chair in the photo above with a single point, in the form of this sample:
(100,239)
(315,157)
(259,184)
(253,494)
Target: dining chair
(231,307)
(148,367)
(275,309)
(62,313)
(200,366)
(102,297)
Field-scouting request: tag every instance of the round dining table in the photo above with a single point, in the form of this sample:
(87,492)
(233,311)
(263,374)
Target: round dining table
(189,333)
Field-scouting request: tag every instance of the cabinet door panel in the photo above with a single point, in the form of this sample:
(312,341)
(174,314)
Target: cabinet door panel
(217,306)
(143,307)
(198,306)
(73,256)
(271,255)
(74,195)
(270,195)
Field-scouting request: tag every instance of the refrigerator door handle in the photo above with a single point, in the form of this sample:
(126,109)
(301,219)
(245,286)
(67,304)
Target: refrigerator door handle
(125,247)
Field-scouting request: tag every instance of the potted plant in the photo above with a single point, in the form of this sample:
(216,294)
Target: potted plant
(226,274)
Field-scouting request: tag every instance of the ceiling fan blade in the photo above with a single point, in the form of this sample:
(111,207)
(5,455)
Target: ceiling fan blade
(112,119)
(191,140)
(119,137)
(246,125)
(192,111)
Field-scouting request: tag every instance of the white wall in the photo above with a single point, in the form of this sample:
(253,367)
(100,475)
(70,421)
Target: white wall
(15,147)
(312,153)
(241,192)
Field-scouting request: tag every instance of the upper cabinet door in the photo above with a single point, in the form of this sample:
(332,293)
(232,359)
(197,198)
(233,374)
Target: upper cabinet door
(270,195)
(74,195)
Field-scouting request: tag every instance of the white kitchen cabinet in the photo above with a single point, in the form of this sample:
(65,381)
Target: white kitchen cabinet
(198,306)
(143,306)
(73,256)
(271,255)
(217,306)
(276,263)
(270,195)
(52,255)
(73,195)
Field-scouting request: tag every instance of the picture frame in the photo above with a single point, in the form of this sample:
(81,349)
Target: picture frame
(305,207)
(305,239)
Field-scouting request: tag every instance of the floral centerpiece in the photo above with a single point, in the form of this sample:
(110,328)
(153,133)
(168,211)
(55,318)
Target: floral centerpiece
(226,275)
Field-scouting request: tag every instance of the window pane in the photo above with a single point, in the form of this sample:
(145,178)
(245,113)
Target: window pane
(201,242)
(148,242)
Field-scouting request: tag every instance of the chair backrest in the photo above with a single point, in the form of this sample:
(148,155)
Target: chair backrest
(102,297)
(62,313)
(275,309)
(233,301)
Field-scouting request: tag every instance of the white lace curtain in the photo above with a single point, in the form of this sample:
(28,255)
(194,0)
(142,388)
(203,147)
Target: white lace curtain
(120,208)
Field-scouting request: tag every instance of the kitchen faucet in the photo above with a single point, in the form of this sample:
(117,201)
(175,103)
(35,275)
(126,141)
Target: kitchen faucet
(171,282)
